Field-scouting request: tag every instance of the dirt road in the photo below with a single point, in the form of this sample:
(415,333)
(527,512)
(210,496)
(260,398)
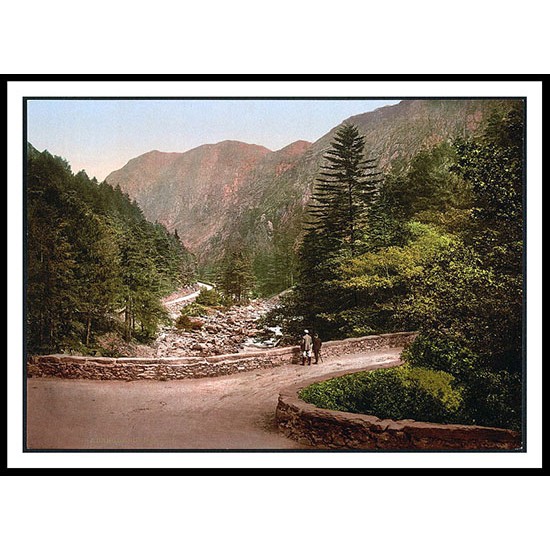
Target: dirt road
(229,412)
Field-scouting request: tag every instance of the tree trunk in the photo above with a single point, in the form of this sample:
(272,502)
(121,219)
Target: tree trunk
(88,329)
(127,314)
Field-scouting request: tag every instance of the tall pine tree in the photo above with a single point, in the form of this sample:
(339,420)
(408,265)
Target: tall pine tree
(336,230)
(236,279)
(344,192)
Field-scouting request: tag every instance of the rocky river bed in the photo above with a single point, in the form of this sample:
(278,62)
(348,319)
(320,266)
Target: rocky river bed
(217,331)
(221,331)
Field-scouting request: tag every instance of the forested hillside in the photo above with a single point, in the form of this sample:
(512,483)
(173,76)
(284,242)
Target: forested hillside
(436,247)
(233,195)
(95,265)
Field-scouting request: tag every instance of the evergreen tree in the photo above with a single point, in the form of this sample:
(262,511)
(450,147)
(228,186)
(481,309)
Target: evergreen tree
(51,280)
(335,231)
(187,263)
(97,270)
(236,279)
(275,269)
(92,256)
(429,191)
(344,193)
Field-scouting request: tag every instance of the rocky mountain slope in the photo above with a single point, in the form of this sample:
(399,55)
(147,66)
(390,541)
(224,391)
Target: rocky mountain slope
(232,192)
(196,192)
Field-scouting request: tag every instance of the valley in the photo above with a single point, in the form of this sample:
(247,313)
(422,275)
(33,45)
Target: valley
(222,331)
(238,195)
(407,220)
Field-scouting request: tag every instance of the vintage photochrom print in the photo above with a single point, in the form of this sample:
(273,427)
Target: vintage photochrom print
(294,274)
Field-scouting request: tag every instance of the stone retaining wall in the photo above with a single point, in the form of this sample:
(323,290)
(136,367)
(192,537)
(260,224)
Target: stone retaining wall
(327,429)
(174,368)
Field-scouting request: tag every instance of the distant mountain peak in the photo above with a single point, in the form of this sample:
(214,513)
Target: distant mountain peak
(296,147)
(231,190)
(231,145)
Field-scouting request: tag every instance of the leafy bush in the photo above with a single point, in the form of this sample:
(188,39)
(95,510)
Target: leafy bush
(397,393)
(493,398)
(491,395)
(194,310)
(210,298)
(440,353)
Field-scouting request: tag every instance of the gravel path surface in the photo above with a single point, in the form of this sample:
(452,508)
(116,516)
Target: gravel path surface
(187,297)
(228,412)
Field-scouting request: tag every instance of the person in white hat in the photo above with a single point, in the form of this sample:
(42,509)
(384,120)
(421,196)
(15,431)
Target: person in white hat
(306,347)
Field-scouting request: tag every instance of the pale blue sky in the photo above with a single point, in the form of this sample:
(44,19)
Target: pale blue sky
(100,136)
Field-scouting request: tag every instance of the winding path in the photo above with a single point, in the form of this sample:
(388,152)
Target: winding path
(227,412)
(191,296)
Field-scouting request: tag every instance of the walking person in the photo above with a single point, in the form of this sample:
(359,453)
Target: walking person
(306,346)
(316,344)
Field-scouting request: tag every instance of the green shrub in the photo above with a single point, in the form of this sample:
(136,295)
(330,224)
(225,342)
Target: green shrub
(210,298)
(397,393)
(493,399)
(491,395)
(194,310)
(442,354)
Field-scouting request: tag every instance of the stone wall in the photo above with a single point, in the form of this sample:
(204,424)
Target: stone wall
(327,429)
(336,348)
(174,368)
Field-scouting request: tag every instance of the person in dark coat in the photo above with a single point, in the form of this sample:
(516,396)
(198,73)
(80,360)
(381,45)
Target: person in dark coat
(316,345)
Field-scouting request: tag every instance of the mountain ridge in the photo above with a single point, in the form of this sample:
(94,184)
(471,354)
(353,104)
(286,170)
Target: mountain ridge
(219,195)
(203,181)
